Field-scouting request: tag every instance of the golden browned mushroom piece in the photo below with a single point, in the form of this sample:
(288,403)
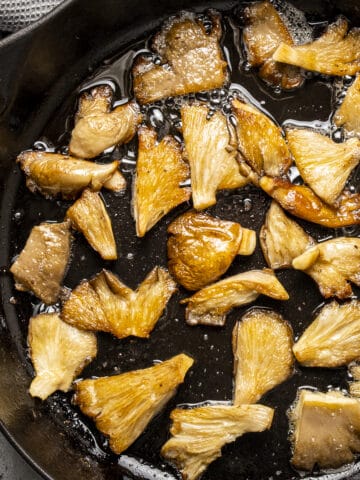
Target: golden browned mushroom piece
(52,174)
(319,159)
(262,34)
(198,434)
(88,215)
(302,202)
(41,266)
(213,167)
(282,239)
(191,60)
(260,141)
(94,102)
(262,346)
(160,170)
(59,352)
(333,338)
(116,182)
(354,386)
(348,114)
(106,304)
(201,248)
(97,127)
(326,430)
(210,305)
(336,52)
(333,265)
(123,405)
(355,371)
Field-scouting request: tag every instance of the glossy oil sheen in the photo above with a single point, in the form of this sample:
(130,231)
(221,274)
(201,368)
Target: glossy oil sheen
(255,456)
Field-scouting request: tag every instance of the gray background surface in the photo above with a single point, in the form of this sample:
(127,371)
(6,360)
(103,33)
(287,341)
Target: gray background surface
(12,465)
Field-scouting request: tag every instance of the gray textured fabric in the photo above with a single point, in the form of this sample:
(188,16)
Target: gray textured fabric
(17,14)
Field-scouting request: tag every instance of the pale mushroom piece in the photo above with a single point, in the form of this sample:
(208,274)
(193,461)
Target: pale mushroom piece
(263,32)
(326,430)
(116,183)
(282,239)
(98,128)
(354,386)
(262,346)
(201,248)
(354,369)
(106,304)
(301,201)
(213,165)
(59,352)
(83,309)
(96,101)
(89,215)
(260,141)
(332,264)
(336,52)
(348,114)
(354,389)
(198,434)
(52,174)
(318,159)
(191,60)
(41,265)
(248,242)
(160,171)
(210,305)
(333,338)
(123,405)
(135,312)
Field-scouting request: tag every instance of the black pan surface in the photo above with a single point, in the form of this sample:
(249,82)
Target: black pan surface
(42,72)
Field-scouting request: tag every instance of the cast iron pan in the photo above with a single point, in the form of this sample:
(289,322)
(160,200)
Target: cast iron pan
(41,71)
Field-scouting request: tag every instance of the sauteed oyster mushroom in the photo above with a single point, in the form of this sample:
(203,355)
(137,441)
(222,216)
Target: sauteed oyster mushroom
(348,114)
(59,352)
(123,405)
(333,264)
(326,429)
(160,171)
(212,162)
(336,52)
(201,248)
(319,158)
(302,202)
(263,32)
(262,345)
(106,304)
(191,60)
(41,265)
(97,127)
(333,338)
(260,141)
(89,215)
(282,239)
(210,305)
(52,174)
(198,434)
(354,386)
